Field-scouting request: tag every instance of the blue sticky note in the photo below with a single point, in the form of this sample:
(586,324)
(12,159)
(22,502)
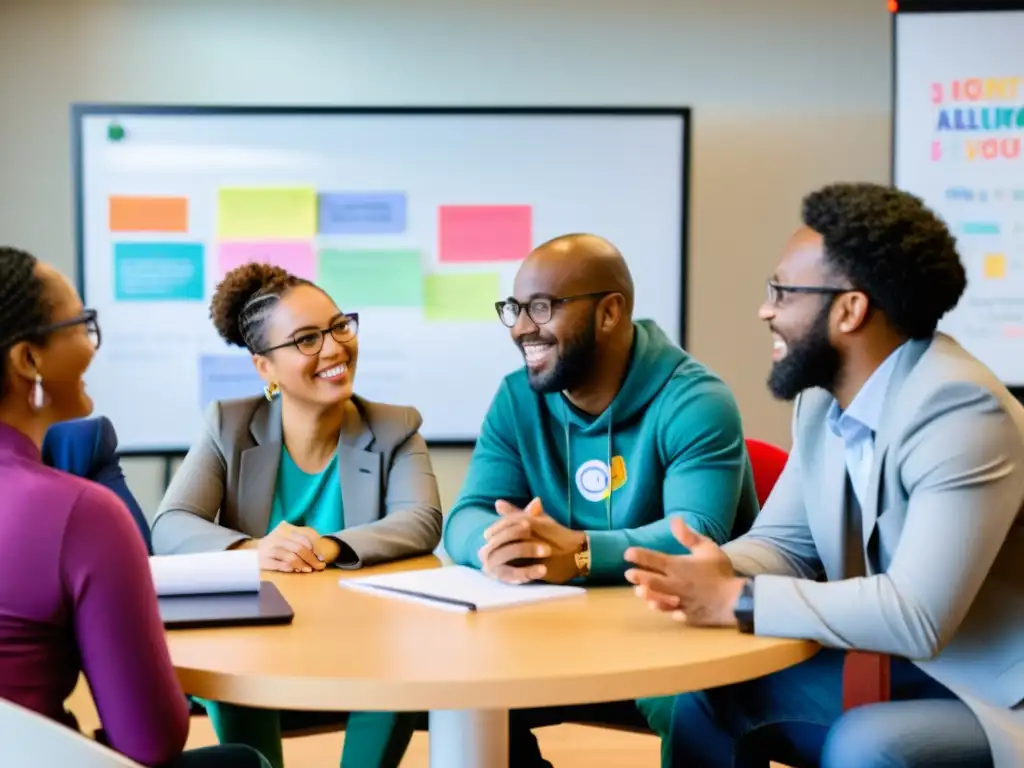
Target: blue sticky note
(362,213)
(158,271)
(227,377)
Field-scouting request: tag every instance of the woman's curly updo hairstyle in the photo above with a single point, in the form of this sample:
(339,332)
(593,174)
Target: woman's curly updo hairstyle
(244,300)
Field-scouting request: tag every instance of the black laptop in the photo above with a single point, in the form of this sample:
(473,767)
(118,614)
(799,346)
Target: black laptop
(235,609)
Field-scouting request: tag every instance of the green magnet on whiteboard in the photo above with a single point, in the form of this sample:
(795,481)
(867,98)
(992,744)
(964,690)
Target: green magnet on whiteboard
(115,132)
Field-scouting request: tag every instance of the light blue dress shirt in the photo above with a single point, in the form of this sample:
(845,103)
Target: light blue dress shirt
(858,424)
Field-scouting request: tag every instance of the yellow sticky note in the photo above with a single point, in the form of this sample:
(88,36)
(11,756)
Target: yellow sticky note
(271,212)
(995,266)
(461,296)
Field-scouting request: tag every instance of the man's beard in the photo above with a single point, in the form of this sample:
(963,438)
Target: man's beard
(574,366)
(811,361)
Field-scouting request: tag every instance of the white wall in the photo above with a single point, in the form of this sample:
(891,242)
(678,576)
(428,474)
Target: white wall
(787,95)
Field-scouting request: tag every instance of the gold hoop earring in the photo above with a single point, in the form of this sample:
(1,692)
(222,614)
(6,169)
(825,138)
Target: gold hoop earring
(270,390)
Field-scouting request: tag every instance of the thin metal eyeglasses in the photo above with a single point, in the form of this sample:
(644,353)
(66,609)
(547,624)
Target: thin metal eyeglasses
(310,342)
(539,309)
(777,291)
(89,318)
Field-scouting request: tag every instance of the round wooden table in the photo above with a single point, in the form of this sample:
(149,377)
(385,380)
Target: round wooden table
(348,650)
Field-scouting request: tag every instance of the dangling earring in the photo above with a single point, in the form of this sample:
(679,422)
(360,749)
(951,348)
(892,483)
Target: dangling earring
(38,395)
(270,390)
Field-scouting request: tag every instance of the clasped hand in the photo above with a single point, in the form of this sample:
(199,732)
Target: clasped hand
(292,549)
(528,545)
(700,588)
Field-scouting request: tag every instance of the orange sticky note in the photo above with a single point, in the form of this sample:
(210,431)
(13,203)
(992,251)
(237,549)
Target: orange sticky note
(148,214)
(995,266)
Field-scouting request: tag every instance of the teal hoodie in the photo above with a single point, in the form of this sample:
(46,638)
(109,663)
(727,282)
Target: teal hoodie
(672,437)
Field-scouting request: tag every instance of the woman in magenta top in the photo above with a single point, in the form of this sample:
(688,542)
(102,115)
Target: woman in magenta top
(76,593)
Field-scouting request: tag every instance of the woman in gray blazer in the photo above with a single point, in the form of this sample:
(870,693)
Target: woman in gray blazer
(310,475)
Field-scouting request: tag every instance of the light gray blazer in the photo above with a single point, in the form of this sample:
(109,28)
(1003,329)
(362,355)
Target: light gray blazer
(943,536)
(224,489)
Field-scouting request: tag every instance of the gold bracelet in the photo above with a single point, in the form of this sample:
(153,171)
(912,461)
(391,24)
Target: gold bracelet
(582,557)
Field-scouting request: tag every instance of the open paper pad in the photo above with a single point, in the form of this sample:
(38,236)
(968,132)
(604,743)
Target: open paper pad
(208,573)
(458,588)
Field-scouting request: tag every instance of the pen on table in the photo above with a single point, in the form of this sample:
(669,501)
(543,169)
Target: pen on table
(426,596)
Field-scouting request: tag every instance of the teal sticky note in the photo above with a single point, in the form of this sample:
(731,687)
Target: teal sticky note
(158,271)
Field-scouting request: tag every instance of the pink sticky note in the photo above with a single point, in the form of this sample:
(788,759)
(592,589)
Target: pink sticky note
(297,256)
(484,232)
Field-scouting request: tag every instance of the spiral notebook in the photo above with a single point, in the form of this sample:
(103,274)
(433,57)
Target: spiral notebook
(459,588)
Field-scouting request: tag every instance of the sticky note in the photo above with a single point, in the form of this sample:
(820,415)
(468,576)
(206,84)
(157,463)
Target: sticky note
(158,271)
(995,266)
(473,233)
(275,212)
(227,377)
(148,214)
(981,228)
(369,213)
(360,278)
(296,256)
(461,297)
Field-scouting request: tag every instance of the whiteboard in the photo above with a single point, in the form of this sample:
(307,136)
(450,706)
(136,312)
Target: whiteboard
(417,219)
(958,126)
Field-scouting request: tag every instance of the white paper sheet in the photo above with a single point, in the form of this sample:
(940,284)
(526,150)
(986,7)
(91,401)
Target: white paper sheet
(206,573)
(458,588)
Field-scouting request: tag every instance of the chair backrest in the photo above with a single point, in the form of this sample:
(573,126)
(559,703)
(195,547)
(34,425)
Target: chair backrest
(767,461)
(30,740)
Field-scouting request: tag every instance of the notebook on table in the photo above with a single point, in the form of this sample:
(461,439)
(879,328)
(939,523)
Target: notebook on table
(216,589)
(459,588)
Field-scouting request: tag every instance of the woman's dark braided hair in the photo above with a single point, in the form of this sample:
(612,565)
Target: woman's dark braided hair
(244,300)
(23,307)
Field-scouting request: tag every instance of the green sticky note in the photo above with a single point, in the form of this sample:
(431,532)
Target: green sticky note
(365,277)
(461,296)
(272,212)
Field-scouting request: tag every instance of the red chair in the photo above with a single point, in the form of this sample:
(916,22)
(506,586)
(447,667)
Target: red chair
(865,679)
(767,461)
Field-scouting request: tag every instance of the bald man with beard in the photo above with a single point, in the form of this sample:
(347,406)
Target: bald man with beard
(606,433)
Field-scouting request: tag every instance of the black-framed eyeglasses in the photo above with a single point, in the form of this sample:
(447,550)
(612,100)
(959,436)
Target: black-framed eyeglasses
(777,291)
(310,342)
(540,308)
(89,318)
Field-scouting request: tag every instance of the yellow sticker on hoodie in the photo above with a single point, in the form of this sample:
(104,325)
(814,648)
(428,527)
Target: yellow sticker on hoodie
(594,481)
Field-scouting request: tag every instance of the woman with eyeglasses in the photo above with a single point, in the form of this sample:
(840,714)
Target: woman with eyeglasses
(309,474)
(76,594)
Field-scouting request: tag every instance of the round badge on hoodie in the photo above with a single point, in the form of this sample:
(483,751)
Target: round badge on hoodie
(595,481)
(592,480)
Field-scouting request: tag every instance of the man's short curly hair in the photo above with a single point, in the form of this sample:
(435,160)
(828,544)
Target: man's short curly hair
(889,245)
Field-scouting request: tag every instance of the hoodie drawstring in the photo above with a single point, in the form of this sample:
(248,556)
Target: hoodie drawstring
(570,479)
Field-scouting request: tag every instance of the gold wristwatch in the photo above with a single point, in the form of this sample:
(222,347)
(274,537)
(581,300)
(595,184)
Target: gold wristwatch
(583,557)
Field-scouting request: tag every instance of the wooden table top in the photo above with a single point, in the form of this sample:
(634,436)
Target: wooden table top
(347,650)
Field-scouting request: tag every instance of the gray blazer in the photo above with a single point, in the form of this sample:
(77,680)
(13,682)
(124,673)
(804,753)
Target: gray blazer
(943,542)
(224,490)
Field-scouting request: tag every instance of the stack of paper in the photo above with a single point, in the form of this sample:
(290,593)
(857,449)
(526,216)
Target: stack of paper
(207,573)
(458,588)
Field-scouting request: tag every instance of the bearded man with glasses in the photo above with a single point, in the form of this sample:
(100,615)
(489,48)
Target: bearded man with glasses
(895,527)
(608,432)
